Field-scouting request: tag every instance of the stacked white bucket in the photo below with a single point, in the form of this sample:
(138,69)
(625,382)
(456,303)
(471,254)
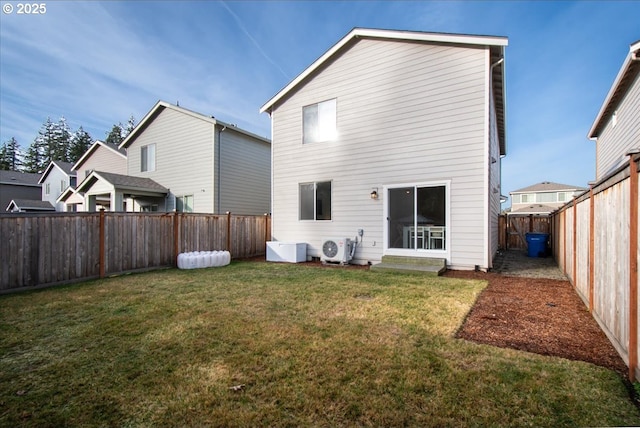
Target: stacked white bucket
(203,259)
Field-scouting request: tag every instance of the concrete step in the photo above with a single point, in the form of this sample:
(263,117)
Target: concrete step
(422,265)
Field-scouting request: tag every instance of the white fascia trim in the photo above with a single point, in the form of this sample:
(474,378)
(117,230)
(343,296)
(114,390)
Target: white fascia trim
(386,34)
(633,50)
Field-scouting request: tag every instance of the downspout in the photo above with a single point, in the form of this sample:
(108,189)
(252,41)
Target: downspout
(218,155)
(488,248)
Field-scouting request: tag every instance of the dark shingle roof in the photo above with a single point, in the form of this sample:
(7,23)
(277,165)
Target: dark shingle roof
(125,181)
(33,204)
(19,178)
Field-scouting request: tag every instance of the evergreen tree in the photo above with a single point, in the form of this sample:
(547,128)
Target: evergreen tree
(131,123)
(61,141)
(119,132)
(33,161)
(80,142)
(115,136)
(10,157)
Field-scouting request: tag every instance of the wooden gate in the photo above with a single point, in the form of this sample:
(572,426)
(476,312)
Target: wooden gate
(513,229)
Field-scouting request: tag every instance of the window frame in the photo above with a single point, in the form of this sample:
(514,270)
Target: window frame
(180,203)
(148,158)
(326,113)
(326,215)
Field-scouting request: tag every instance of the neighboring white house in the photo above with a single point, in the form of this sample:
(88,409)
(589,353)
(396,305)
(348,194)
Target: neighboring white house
(100,156)
(190,162)
(542,198)
(399,135)
(55,180)
(616,129)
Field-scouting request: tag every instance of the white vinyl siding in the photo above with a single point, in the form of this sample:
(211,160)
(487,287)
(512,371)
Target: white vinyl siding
(408,113)
(102,159)
(615,141)
(186,163)
(52,187)
(184,156)
(245,174)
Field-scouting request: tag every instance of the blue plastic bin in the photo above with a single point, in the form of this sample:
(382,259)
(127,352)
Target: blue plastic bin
(537,244)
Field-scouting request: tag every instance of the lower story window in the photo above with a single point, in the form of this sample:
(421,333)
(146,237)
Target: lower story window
(315,201)
(184,204)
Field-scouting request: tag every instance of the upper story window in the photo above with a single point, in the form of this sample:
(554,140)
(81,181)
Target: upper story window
(319,122)
(63,185)
(148,158)
(315,201)
(47,188)
(526,198)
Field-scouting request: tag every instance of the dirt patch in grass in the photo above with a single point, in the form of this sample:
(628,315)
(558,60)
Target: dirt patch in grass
(537,315)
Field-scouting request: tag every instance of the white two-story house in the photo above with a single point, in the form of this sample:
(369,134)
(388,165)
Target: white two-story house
(55,180)
(393,139)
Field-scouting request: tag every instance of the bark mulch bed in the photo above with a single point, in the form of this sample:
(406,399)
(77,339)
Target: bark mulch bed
(539,315)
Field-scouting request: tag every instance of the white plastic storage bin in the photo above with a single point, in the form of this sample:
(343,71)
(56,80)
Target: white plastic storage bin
(290,252)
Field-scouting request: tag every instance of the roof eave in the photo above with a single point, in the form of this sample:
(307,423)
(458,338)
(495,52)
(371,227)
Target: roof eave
(604,113)
(383,34)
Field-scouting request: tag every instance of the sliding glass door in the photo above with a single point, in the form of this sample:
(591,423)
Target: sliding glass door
(417,217)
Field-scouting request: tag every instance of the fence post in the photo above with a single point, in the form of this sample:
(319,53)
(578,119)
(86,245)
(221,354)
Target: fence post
(633,265)
(229,231)
(102,244)
(266,229)
(176,238)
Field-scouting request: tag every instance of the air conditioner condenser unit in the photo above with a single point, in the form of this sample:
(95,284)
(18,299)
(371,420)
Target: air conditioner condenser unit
(337,250)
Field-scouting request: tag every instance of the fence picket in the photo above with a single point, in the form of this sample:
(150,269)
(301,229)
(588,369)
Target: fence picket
(44,249)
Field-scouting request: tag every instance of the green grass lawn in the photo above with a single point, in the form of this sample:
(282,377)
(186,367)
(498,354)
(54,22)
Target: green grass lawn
(303,346)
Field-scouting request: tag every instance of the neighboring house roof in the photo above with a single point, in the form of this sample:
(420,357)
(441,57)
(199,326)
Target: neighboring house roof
(124,182)
(30,205)
(19,178)
(534,209)
(94,147)
(161,105)
(547,186)
(69,196)
(627,74)
(497,53)
(65,167)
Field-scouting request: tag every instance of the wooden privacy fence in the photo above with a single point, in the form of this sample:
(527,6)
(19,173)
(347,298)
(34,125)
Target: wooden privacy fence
(514,227)
(53,248)
(595,242)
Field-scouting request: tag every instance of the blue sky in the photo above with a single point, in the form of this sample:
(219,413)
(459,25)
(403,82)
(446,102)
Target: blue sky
(97,63)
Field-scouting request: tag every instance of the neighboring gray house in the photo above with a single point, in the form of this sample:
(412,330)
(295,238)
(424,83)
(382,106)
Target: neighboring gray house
(400,135)
(18,185)
(55,180)
(100,156)
(616,129)
(203,165)
(542,198)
